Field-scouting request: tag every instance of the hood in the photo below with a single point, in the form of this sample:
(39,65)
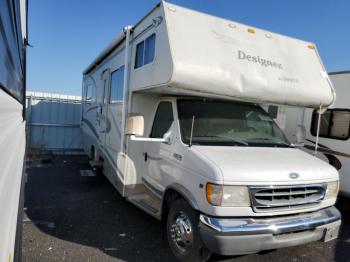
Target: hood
(263,165)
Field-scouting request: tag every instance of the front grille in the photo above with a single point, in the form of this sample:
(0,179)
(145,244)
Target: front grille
(276,198)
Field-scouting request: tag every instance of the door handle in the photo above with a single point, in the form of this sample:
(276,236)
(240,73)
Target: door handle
(145,156)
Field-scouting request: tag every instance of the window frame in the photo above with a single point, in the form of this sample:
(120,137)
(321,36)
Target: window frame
(110,86)
(144,51)
(155,114)
(178,119)
(314,120)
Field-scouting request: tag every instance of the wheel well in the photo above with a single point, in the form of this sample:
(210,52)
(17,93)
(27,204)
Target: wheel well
(169,197)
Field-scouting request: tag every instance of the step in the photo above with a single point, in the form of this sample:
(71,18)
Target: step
(148,202)
(96,163)
(88,173)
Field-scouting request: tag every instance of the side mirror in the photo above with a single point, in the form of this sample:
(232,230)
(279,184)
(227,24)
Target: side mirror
(300,135)
(167,137)
(134,125)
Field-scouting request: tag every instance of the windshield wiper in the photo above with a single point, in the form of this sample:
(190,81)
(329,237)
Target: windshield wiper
(241,142)
(279,142)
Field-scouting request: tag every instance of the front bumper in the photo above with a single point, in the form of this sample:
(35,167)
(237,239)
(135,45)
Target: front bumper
(234,236)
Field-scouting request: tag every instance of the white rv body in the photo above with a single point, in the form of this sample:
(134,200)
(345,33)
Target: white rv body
(335,150)
(12,126)
(178,56)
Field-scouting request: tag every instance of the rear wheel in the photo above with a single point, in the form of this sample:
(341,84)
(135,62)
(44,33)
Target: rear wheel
(183,233)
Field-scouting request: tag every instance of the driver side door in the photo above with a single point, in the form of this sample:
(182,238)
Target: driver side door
(157,156)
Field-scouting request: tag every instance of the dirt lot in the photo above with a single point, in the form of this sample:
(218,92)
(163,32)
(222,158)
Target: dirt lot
(70,219)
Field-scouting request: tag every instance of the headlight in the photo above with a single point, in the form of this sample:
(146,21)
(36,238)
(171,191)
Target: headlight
(233,196)
(332,190)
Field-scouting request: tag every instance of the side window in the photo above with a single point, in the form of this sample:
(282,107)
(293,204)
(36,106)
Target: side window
(163,120)
(325,123)
(139,54)
(335,123)
(145,51)
(117,85)
(150,44)
(88,94)
(340,124)
(273,111)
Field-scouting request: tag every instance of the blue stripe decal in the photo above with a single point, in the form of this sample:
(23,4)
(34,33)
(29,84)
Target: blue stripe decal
(90,109)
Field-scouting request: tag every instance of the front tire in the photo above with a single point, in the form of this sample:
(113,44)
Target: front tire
(183,233)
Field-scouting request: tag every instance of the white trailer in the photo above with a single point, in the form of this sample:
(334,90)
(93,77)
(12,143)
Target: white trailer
(173,111)
(333,146)
(12,125)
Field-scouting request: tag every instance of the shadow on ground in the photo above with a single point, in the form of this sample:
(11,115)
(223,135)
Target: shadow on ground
(70,219)
(89,213)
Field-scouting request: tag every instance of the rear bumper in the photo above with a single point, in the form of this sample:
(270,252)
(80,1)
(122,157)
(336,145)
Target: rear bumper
(233,236)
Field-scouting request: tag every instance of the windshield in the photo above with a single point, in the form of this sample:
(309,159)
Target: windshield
(218,122)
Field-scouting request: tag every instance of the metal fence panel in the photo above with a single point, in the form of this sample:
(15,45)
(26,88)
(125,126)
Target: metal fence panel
(53,122)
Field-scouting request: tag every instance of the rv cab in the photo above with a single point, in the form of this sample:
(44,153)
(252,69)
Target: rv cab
(229,158)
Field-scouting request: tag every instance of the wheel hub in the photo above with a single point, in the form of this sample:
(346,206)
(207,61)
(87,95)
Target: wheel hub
(181,232)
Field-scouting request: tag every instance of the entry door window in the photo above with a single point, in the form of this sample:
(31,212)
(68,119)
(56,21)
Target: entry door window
(88,94)
(163,120)
(104,90)
(105,79)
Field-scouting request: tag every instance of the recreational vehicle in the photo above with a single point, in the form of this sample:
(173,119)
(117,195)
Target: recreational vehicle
(12,125)
(334,145)
(175,111)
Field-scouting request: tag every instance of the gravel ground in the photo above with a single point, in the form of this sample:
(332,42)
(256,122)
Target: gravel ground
(67,218)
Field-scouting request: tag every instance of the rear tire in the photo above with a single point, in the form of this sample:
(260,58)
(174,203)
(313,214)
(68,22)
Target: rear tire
(183,233)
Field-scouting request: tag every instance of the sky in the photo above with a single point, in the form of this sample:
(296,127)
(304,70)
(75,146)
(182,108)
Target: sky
(67,35)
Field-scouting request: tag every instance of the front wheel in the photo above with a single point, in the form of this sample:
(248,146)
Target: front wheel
(183,233)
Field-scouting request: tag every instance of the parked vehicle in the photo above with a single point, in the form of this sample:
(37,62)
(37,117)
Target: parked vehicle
(334,146)
(12,127)
(173,109)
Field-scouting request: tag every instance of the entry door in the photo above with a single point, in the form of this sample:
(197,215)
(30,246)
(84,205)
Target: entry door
(104,124)
(157,156)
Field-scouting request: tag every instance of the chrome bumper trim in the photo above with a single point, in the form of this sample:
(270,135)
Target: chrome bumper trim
(273,225)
